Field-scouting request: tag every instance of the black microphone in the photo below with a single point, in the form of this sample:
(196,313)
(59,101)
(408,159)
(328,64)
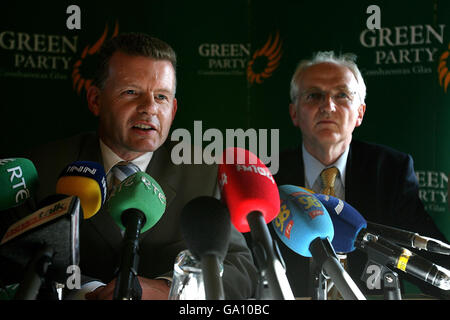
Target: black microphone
(409,238)
(51,232)
(351,233)
(206,227)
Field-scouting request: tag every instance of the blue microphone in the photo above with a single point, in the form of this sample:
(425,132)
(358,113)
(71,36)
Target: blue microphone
(305,226)
(347,222)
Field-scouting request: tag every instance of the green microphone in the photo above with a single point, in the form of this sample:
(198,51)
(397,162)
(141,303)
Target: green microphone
(18,181)
(136,205)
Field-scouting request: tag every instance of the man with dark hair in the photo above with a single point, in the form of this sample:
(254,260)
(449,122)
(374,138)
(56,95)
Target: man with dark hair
(327,104)
(133,95)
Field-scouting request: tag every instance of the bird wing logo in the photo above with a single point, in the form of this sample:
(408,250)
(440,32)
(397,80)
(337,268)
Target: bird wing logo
(265,60)
(80,79)
(444,74)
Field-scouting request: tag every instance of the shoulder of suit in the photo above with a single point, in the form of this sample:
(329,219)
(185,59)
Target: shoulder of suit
(69,143)
(169,150)
(374,150)
(64,150)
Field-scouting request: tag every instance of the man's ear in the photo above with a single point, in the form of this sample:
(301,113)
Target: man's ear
(361,111)
(174,108)
(93,99)
(293,113)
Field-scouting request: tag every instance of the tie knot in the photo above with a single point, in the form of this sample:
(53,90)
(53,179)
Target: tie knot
(124,169)
(328,177)
(121,171)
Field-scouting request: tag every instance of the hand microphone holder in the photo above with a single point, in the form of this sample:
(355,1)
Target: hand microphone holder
(318,281)
(380,256)
(268,258)
(212,277)
(35,274)
(325,257)
(127,284)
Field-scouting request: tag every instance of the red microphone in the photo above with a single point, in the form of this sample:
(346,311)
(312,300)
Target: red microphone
(251,195)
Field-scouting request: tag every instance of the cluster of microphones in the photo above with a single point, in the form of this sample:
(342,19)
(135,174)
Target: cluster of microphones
(39,241)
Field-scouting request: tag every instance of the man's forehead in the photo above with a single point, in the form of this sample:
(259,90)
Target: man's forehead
(327,74)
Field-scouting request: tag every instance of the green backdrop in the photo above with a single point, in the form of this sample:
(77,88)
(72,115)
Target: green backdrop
(43,64)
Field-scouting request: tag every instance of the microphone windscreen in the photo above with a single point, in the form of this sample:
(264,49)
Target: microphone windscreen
(87,181)
(347,222)
(141,192)
(18,182)
(206,227)
(56,225)
(246,186)
(301,220)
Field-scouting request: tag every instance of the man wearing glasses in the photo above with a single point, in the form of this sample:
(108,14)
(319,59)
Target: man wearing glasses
(327,104)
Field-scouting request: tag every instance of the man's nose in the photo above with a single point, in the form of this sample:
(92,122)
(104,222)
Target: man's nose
(328,104)
(148,103)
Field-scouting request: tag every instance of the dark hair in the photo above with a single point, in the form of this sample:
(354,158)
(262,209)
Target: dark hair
(136,44)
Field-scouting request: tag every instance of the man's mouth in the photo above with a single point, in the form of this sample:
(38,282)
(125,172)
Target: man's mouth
(143,127)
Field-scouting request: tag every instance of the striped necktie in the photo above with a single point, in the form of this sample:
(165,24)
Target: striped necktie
(120,172)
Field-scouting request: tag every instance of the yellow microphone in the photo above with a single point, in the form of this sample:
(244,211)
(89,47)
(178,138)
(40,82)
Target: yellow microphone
(87,181)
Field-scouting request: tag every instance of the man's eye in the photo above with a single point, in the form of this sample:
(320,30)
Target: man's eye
(161,97)
(314,96)
(342,95)
(130,92)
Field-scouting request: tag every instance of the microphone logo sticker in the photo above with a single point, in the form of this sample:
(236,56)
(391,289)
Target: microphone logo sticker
(284,221)
(311,204)
(81,169)
(255,169)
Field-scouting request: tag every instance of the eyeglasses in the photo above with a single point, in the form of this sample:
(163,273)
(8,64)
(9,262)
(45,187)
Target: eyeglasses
(340,97)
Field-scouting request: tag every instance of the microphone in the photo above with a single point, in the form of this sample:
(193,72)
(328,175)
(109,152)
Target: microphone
(206,227)
(51,236)
(87,181)
(18,182)
(380,249)
(136,205)
(251,195)
(305,226)
(409,239)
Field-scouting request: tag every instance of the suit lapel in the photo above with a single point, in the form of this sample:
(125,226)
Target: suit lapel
(101,221)
(162,169)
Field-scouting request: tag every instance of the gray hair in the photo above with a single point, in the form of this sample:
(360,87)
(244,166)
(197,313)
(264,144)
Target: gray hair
(346,60)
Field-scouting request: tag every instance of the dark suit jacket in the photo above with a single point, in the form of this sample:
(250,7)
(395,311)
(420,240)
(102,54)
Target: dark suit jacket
(381,184)
(100,237)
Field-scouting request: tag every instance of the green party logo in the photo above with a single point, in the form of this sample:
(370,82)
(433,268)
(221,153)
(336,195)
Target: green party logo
(444,74)
(82,68)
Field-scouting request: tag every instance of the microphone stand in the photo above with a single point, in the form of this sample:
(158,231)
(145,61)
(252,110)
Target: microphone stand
(323,253)
(127,284)
(381,256)
(268,258)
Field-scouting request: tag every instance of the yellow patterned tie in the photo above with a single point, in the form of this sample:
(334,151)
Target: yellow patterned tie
(328,177)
